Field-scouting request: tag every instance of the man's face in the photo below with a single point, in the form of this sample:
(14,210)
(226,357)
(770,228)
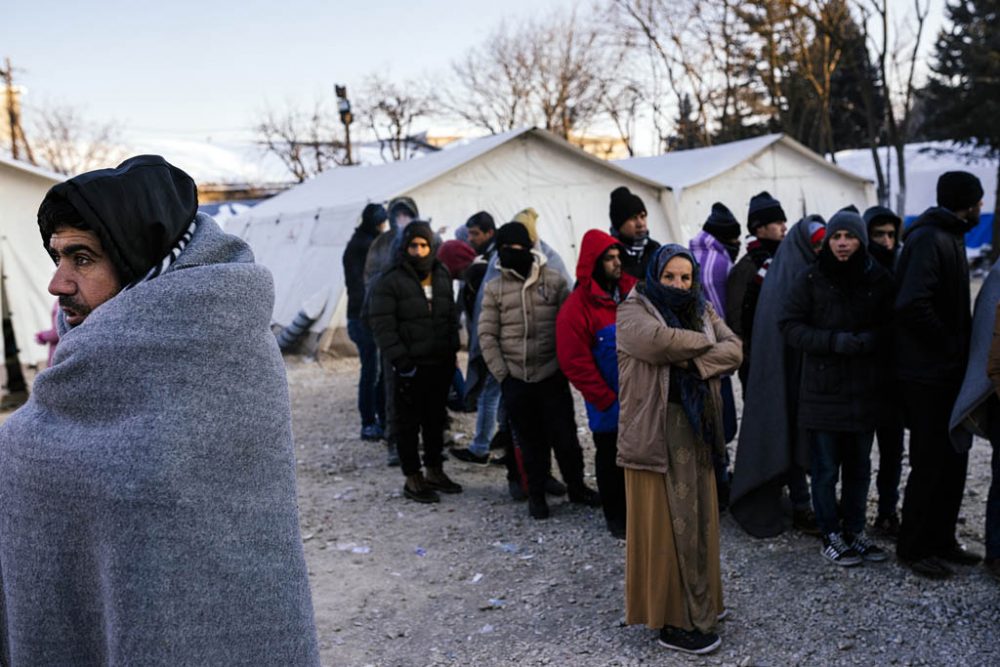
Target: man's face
(971,215)
(403,218)
(418,247)
(479,238)
(884,235)
(772,231)
(635,227)
(611,262)
(85,277)
(844,244)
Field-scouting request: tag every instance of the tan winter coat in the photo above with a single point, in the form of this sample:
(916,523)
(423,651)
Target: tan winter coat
(646,349)
(517,324)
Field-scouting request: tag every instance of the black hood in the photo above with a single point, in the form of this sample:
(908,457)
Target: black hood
(942,218)
(139,210)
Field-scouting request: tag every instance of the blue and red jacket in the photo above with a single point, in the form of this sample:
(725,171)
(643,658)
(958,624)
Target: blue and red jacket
(585,335)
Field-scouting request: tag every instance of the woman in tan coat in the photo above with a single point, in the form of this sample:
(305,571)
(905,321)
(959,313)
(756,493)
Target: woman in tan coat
(672,349)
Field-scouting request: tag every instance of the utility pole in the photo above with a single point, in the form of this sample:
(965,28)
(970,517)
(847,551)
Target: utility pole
(17,137)
(344,107)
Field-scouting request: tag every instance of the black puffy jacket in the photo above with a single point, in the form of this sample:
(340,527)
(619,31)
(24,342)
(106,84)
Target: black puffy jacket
(409,330)
(840,392)
(933,314)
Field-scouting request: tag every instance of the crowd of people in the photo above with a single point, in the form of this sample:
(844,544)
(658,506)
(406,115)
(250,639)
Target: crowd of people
(148,501)
(840,332)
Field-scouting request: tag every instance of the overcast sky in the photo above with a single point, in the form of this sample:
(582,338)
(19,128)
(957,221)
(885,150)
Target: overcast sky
(190,70)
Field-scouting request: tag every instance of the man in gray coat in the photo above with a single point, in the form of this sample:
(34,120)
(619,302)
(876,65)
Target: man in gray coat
(147,488)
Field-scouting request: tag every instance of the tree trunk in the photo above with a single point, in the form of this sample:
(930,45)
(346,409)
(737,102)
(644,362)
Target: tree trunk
(901,177)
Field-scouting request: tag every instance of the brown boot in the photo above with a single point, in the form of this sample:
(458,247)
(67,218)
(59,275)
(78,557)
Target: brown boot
(416,488)
(437,480)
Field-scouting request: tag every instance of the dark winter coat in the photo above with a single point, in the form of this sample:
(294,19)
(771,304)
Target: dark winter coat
(585,335)
(354,267)
(409,330)
(933,317)
(636,266)
(840,392)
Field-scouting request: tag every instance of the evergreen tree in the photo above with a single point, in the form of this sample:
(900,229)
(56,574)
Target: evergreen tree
(962,97)
(687,133)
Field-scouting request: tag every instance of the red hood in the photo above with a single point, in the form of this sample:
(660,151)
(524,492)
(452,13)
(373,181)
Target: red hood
(594,244)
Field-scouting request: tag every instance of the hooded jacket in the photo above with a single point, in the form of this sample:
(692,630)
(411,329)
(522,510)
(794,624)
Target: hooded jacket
(933,309)
(517,322)
(585,334)
(409,330)
(715,263)
(354,258)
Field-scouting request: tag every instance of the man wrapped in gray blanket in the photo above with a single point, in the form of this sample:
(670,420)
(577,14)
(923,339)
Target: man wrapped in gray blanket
(147,488)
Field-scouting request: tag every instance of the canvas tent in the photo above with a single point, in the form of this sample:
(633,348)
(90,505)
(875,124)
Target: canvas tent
(300,234)
(925,162)
(732,173)
(24,265)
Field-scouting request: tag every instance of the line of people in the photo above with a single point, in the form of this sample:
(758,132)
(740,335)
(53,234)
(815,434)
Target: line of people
(836,330)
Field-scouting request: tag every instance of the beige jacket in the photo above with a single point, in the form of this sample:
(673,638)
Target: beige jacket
(517,323)
(646,349)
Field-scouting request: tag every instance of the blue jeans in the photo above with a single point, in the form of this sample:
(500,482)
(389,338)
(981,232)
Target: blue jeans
(371,393)
(846,455)
(486,416)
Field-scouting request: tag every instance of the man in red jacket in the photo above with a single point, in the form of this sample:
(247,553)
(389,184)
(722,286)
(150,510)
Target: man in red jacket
(585,345)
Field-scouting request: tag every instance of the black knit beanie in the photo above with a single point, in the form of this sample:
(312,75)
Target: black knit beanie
(764,209)
(514,233)
(624,205)
(373,216)
(850,221)
(138,210)
(721,223)
(958,190)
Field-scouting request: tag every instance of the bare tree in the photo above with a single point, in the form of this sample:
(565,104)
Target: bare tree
(390,110)
(68,143)
(306,142)
(897,59)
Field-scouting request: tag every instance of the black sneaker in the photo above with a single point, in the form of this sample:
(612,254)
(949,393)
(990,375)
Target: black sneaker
(465,454)
(836,550)
(887,526)
(867,549)
(804,521)
(538,508)
(584,495)
(515,491)
(688,641)
(554,487)
(958,554)
(929,567)
(391,455)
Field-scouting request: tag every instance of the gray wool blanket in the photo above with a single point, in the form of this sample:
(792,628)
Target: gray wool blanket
(770,440)
(970,414)
(147,489)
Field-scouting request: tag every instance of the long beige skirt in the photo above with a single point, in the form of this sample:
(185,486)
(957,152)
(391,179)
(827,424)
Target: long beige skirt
(672,572)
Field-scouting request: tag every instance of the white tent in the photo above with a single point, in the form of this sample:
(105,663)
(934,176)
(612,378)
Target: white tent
(925,162)
(24,265)
(300,234)
(732,173)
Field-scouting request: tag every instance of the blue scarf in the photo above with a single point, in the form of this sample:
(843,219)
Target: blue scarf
(683,309)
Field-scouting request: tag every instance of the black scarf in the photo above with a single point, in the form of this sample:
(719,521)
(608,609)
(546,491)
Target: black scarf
(846,275)
(882,255)
(518,261)
(683,309)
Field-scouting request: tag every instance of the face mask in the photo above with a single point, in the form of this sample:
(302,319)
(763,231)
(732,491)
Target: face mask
(422,265)
(519,261)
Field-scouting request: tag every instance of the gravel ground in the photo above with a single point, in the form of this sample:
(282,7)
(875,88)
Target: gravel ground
(474,581)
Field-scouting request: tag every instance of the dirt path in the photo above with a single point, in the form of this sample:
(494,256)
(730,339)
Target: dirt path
(474,581)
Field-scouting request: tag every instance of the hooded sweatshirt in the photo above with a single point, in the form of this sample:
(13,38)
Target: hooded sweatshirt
(585,333)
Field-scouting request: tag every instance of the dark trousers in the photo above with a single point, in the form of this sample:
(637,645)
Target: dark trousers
(419,410)
(889,433)
(835,454)
(937,474)
(371,392)
(610,477)
(389,391)
(542,416)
